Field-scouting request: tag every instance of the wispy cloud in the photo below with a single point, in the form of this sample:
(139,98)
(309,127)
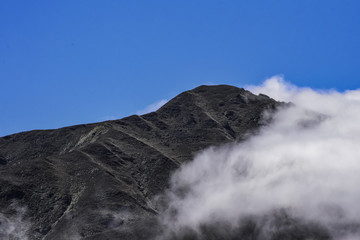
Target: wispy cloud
(14,226)
(109,117)
(153,107)
(150,108)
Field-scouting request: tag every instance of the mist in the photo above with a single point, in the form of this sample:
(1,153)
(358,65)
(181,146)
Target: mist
(300,172)
(14,225)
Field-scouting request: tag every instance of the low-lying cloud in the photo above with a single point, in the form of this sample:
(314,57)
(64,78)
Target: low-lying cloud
(299,173)
(14,225)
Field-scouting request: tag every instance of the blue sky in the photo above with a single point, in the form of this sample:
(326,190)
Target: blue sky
(70,62)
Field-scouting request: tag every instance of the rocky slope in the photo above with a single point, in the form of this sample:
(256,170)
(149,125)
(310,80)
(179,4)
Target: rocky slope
(97,181)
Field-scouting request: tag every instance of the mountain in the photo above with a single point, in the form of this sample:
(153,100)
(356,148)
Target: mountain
(98,181)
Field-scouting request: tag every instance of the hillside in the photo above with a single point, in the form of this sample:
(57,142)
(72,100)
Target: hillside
(97,181)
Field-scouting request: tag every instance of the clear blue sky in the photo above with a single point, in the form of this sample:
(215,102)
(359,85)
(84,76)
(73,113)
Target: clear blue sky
(80,61)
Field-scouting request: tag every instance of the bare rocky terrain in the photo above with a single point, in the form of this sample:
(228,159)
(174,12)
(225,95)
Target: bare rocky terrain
(98,181)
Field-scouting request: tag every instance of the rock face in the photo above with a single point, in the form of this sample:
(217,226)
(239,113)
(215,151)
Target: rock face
(96,181)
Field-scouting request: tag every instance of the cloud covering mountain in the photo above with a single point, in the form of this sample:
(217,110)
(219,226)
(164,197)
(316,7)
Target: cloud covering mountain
(215,162)
(304,167)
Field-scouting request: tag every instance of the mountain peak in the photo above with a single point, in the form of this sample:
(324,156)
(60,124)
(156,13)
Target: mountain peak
(214,96)
(70,177)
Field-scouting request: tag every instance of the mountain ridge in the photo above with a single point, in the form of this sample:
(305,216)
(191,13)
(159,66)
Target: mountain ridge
(98,180)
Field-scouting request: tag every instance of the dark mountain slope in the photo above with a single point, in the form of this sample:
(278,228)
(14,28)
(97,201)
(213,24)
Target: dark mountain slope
(93,180)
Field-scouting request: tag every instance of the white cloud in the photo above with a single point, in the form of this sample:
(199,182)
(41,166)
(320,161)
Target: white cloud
(109,117)
(152,107)
(14,226)
(306,161)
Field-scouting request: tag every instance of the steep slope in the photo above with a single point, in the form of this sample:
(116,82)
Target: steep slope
(96,181)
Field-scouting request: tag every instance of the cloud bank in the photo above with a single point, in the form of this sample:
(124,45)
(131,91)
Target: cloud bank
(300,173)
